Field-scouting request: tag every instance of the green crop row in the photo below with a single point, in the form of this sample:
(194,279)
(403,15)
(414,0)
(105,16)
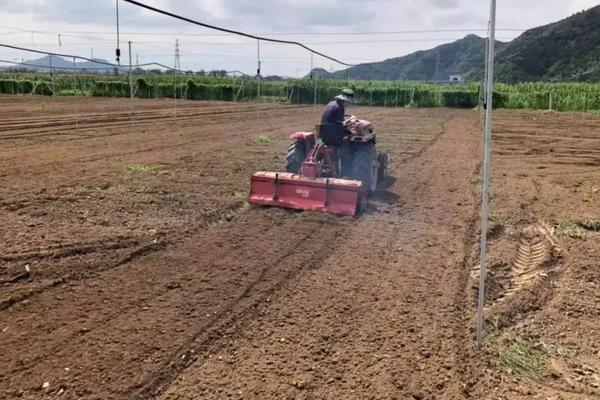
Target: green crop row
(558,96)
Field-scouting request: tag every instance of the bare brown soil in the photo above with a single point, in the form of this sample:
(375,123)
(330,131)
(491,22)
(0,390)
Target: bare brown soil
(150,277)
(544,255)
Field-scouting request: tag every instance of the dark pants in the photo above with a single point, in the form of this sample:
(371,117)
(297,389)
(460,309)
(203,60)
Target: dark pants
(346,155)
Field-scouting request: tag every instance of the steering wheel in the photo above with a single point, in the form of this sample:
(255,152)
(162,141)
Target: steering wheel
(349,120)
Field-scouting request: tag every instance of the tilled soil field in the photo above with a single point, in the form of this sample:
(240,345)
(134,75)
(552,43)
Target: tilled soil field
(132,268)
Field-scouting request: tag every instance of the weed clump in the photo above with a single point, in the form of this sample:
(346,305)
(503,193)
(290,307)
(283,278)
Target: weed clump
(140,169)
(525,358)
(264,139)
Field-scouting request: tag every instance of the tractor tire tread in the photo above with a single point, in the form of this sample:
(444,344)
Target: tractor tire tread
(365,157)
(295,156)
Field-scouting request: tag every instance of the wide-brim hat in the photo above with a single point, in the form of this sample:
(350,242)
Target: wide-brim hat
(344,97)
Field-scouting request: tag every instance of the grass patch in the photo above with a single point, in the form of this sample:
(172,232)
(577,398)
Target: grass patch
(239,197)
(590,189)
(525,358)
(140,169)
(477,182)
(264,139)
(496,219)
(568,228)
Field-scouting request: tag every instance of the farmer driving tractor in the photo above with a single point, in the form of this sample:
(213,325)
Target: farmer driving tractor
(334,111)
(333,169)
(333,129)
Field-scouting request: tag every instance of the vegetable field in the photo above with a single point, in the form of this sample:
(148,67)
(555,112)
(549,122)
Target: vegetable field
(537,96)
(131,266)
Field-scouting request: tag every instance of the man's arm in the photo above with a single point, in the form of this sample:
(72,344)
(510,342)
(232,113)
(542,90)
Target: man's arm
(341,112)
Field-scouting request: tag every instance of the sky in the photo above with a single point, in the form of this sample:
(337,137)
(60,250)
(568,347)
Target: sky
(335,27)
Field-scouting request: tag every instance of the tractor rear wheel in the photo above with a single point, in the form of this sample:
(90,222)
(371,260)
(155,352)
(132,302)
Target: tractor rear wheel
(295,156)
(365,166)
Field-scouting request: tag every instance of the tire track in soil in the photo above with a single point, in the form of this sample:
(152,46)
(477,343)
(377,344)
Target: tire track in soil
(134,247)
(45,285)
(384,316)
(241,311)
(117,330)
(224,142)
(69,343)
(210,341)
(40,286)
(541,292)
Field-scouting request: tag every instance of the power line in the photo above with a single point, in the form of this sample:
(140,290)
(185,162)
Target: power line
(249,43)
(256,37)
(309,43)
(105,69)
(118,50)
(445,59)
(306,33)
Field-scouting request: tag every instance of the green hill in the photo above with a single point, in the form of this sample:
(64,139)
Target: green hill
(567,50)
(438,64)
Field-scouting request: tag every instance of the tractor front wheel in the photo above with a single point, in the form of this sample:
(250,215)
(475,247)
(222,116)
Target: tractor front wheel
(295,156)
(365,166)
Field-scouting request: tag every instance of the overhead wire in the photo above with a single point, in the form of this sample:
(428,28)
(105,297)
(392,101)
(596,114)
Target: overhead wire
(307,33)
(56,54)
(311,43)
(251,36)
(97,61)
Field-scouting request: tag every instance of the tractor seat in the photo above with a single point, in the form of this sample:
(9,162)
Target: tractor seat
(330,134)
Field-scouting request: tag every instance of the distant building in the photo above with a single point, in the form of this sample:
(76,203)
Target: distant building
(456,78)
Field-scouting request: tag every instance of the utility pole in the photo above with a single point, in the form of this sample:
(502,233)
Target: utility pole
(51,75)
(258,67)
(314,78)
(74,92)
(130,77)
(485,72)
(118,50)
(489,90)
(177,68)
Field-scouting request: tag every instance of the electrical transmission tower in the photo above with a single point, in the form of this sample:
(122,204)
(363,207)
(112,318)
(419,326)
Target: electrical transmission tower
(177,60)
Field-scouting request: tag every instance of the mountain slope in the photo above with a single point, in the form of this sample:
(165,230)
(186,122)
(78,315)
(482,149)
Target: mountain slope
(564,51)
(567,50)
(59,63)
(438,64)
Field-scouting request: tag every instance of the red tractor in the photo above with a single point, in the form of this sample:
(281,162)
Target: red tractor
(325,171)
